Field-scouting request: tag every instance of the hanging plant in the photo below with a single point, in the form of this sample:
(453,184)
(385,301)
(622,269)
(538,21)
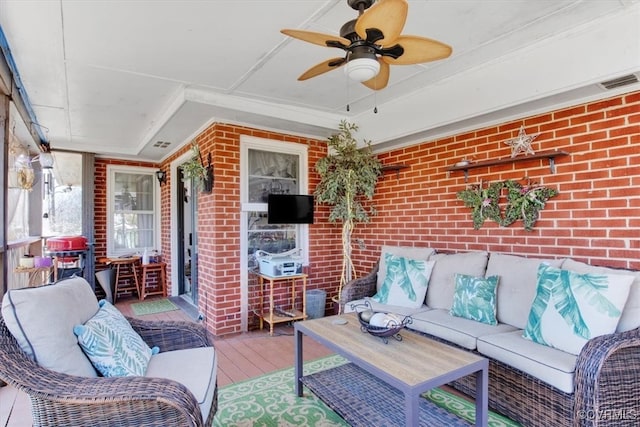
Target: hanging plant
(195,169)
(523,202)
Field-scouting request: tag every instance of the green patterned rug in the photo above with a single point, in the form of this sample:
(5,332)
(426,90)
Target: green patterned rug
(270,401)
(153,307)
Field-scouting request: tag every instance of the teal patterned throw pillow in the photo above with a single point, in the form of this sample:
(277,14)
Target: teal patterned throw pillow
(405,283)
(571,308)
(113,347)
(475,298)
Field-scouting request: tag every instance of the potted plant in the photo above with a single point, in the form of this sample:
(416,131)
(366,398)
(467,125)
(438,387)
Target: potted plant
(348,176)
(195,169)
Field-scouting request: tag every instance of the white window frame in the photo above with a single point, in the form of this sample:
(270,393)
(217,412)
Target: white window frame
(111,172)
(302,233)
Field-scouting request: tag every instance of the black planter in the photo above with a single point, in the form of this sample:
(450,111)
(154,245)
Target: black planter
(207,183)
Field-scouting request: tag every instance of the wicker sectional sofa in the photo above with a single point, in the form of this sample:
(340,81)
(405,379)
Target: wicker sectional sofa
(533,384)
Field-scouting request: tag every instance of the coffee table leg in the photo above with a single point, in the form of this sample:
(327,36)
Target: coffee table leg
(411,409)
(482,396)
(298,362)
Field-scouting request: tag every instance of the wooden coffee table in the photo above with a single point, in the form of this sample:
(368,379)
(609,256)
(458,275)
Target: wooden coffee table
(414,365)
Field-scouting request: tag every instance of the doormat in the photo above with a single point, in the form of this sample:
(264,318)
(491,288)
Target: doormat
(270,401)
(153,307)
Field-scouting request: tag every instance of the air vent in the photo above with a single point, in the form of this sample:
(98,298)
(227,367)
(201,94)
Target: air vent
(620,81)
(162,144)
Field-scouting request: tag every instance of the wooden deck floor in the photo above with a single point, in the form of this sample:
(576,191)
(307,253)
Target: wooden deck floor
(241,356)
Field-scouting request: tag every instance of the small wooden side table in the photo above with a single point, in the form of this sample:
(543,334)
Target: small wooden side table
(274,316)
(126,275)
(159,287)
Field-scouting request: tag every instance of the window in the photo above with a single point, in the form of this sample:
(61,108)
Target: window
(271,168)
(268,167)
(132,211)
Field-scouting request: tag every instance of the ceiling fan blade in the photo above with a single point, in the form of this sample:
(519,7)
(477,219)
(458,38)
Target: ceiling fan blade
(316,38)
(387,16)
(418,50)
(380,81)
(323,67)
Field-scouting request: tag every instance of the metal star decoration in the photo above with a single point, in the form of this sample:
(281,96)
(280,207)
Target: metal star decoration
(522,143)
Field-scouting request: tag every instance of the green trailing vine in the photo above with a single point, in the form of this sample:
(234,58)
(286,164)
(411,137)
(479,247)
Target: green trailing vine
(523,202)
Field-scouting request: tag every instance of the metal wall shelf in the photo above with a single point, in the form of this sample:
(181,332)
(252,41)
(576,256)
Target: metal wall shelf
(396,168)
(550,155)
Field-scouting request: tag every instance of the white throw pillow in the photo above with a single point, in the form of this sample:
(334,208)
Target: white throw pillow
(630,318)
(571,308)
(405,281)
(113,347)
(404,251)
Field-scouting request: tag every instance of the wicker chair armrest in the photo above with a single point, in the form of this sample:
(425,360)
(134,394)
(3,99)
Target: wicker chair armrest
(359,288)
(171,335)
(68,400)
(606,380)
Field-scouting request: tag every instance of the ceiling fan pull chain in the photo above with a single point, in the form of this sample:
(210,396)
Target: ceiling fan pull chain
(375,101)
(347,79)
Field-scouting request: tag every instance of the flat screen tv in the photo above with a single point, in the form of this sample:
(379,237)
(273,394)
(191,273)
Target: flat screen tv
(290,209)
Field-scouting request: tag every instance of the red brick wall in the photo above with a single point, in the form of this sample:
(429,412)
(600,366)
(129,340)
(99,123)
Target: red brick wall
(219,226)
(595,218)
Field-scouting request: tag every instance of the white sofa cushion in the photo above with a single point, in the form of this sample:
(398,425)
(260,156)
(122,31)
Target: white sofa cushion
(630,318)
(403,251)
(442,281)
(42,320)
(458,330)
(554,367)
(366,303)
(195,368)
(517,288)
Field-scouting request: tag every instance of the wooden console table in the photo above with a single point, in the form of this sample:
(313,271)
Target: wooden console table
(273,315)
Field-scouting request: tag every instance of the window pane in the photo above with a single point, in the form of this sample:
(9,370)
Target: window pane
(133,231)
(271,173)
(272,238)
(133,211)
(133,192)
(62,196)
(18,214)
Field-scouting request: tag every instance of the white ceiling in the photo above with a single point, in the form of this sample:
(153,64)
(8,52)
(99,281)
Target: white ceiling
(115,77)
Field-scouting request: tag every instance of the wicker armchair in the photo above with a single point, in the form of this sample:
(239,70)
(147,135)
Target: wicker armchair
(65,400)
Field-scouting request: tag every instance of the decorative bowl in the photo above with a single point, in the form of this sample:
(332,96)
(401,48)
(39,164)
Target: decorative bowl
(384,332)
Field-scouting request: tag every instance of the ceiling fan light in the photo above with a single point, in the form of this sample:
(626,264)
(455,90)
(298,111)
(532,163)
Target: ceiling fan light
(362,69)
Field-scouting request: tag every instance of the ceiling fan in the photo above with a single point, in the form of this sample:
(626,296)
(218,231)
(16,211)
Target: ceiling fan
(372,43)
